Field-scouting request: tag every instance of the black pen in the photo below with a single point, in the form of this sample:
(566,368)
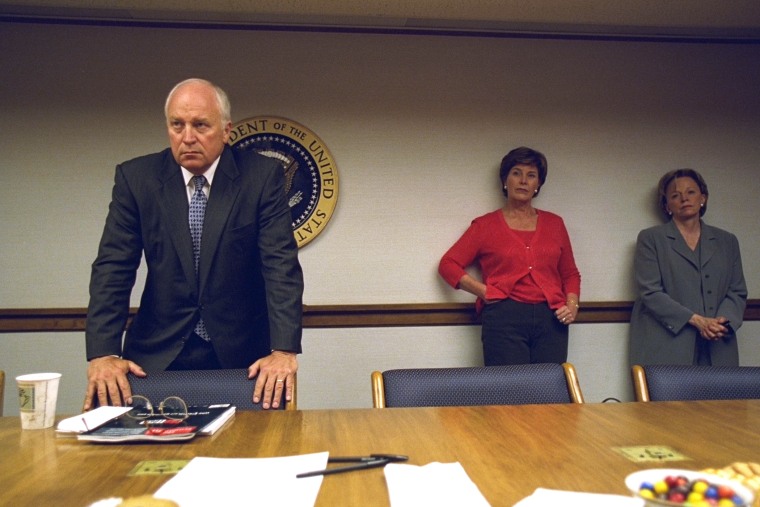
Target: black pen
(359,466)
(364,459)
(361,462)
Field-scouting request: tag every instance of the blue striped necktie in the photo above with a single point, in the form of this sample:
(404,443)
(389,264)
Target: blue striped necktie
(197,213)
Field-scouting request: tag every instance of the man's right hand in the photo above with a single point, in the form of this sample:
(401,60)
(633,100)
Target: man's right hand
(107,380)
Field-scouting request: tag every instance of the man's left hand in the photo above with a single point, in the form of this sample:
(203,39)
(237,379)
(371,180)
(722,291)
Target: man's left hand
(276,373)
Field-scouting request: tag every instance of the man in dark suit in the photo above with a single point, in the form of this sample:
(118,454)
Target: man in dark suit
(228,298)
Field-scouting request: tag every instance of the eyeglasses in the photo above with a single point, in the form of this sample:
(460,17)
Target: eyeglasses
(173,408)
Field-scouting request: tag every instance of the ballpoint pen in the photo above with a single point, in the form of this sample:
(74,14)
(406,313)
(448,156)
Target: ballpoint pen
(360,463)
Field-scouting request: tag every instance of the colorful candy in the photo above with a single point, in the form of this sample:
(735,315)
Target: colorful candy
(695,493)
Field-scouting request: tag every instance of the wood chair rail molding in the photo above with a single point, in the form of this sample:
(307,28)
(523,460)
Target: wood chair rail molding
(36,320)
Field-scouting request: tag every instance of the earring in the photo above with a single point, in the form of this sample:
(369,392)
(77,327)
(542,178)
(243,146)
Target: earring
(702,205)
(535,191)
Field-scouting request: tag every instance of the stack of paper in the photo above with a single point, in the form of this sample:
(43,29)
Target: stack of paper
(246,481)
(543,497)
(438,484)
(89,420)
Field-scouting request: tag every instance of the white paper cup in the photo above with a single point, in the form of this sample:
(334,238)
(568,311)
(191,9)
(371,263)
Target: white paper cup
(37,396)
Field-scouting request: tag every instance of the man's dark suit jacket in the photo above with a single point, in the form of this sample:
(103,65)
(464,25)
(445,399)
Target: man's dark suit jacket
(249,286)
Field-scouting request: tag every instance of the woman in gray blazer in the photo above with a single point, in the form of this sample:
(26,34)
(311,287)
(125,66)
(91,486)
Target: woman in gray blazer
(691,289)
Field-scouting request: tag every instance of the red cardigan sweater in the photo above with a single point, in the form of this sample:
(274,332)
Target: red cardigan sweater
(503,258)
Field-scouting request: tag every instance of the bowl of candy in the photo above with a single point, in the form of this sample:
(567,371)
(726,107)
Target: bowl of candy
(687,488)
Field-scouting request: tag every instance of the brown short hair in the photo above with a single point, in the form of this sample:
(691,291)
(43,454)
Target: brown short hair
(668,177)
(525,156)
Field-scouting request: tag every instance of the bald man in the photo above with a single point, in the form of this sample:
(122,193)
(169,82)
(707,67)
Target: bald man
(229,298)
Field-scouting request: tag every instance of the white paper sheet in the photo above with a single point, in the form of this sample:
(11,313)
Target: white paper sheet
(551,497)
(89,420)
(438,484)
(246,481)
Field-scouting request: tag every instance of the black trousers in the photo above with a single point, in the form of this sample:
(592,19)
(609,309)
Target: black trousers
(522,333)
(197,354)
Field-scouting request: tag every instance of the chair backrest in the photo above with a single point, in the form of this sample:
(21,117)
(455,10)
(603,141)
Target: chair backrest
(669,382)
(202,387)
(521,384)
(2,391)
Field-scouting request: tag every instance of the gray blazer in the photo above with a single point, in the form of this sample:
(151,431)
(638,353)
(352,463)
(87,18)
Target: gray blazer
(250,283)
(673,286)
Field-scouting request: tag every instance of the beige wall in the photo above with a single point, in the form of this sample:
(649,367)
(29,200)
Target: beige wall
(417,126)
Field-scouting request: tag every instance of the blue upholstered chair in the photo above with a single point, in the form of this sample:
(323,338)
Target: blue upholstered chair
(667,382)
(521,384)
(202,387)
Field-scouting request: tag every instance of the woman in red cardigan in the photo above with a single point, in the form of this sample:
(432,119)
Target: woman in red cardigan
(530,287)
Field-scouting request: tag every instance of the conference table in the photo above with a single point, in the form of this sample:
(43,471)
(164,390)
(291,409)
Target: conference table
(507,451)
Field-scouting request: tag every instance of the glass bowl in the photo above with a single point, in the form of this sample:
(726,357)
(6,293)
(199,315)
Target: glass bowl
(634,481)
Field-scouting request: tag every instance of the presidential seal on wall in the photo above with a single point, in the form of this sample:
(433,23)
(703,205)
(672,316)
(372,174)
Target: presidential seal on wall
(311,177)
